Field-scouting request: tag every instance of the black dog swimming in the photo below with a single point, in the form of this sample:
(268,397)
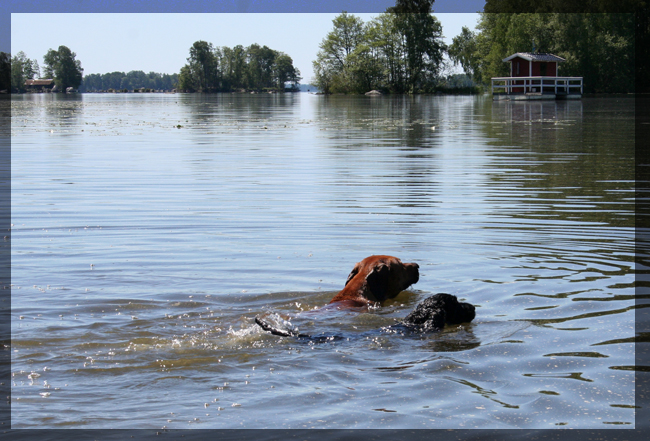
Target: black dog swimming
(430,315)
(434,312)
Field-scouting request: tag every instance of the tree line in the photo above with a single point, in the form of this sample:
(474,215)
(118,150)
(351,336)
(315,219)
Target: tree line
(224,69)
(209,69)
(135,79)
(66,71)
(5,72)
(400,51)
(596,46)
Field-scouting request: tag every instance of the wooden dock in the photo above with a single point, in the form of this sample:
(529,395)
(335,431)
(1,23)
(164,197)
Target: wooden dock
(536,88)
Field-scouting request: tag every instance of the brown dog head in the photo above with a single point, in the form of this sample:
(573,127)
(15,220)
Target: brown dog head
(377,278)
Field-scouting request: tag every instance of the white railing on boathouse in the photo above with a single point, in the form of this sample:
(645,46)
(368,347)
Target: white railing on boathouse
(543,85)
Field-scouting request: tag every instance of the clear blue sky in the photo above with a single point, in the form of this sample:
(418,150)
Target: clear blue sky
(160,42)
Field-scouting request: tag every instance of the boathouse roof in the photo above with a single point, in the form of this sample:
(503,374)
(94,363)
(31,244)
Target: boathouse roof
(535,56)
(38,82)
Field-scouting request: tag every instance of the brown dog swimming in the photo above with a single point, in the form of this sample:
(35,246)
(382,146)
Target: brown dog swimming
(375,279)
(378,278)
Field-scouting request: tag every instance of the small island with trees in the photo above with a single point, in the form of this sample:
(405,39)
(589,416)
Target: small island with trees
(401,51)
(224,69)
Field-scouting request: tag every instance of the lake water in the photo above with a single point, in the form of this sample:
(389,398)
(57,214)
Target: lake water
(148,230)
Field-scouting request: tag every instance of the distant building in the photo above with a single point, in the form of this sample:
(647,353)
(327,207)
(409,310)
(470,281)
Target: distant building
(534,75)
(43,85)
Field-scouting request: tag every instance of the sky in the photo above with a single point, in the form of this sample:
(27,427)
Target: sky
(160,42)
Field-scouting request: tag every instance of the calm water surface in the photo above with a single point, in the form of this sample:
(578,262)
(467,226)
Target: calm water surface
(149,230)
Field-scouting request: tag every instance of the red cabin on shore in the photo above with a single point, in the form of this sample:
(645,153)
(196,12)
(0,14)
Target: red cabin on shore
(534,75)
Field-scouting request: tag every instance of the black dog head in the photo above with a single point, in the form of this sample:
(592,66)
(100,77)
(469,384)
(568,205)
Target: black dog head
(436,311)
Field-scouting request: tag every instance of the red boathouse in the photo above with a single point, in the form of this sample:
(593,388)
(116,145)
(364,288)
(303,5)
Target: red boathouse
(39,85)
(534,75)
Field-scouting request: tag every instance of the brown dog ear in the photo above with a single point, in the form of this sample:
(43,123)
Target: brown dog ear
(377,281)
(353,273)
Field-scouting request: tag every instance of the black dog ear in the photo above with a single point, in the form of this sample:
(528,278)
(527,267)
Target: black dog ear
(353,273)
(377,281)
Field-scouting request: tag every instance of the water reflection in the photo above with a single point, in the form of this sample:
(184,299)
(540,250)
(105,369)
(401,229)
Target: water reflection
(54,113)
(569,375)
(577,354)
(5,116)
(452,339)
(542,121)
(233,108)
(485,393)
(404,121)
(563,162)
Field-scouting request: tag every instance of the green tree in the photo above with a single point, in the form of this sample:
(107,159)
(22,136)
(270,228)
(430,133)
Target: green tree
(563,6)
(92,82)
(112,80)
(324,75)
(22,69)
(492,46)
(284,72)
(17,77)
(598,47)
(331,64)
(464,51)
(366,69)
(259,71)
(185,80)
(125,83)
(343,39)
(399,51)
(203,66)
(63,67)
(5,71)
(233,66)
(137,79)
(424,45)
(384,34)
(169,81)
